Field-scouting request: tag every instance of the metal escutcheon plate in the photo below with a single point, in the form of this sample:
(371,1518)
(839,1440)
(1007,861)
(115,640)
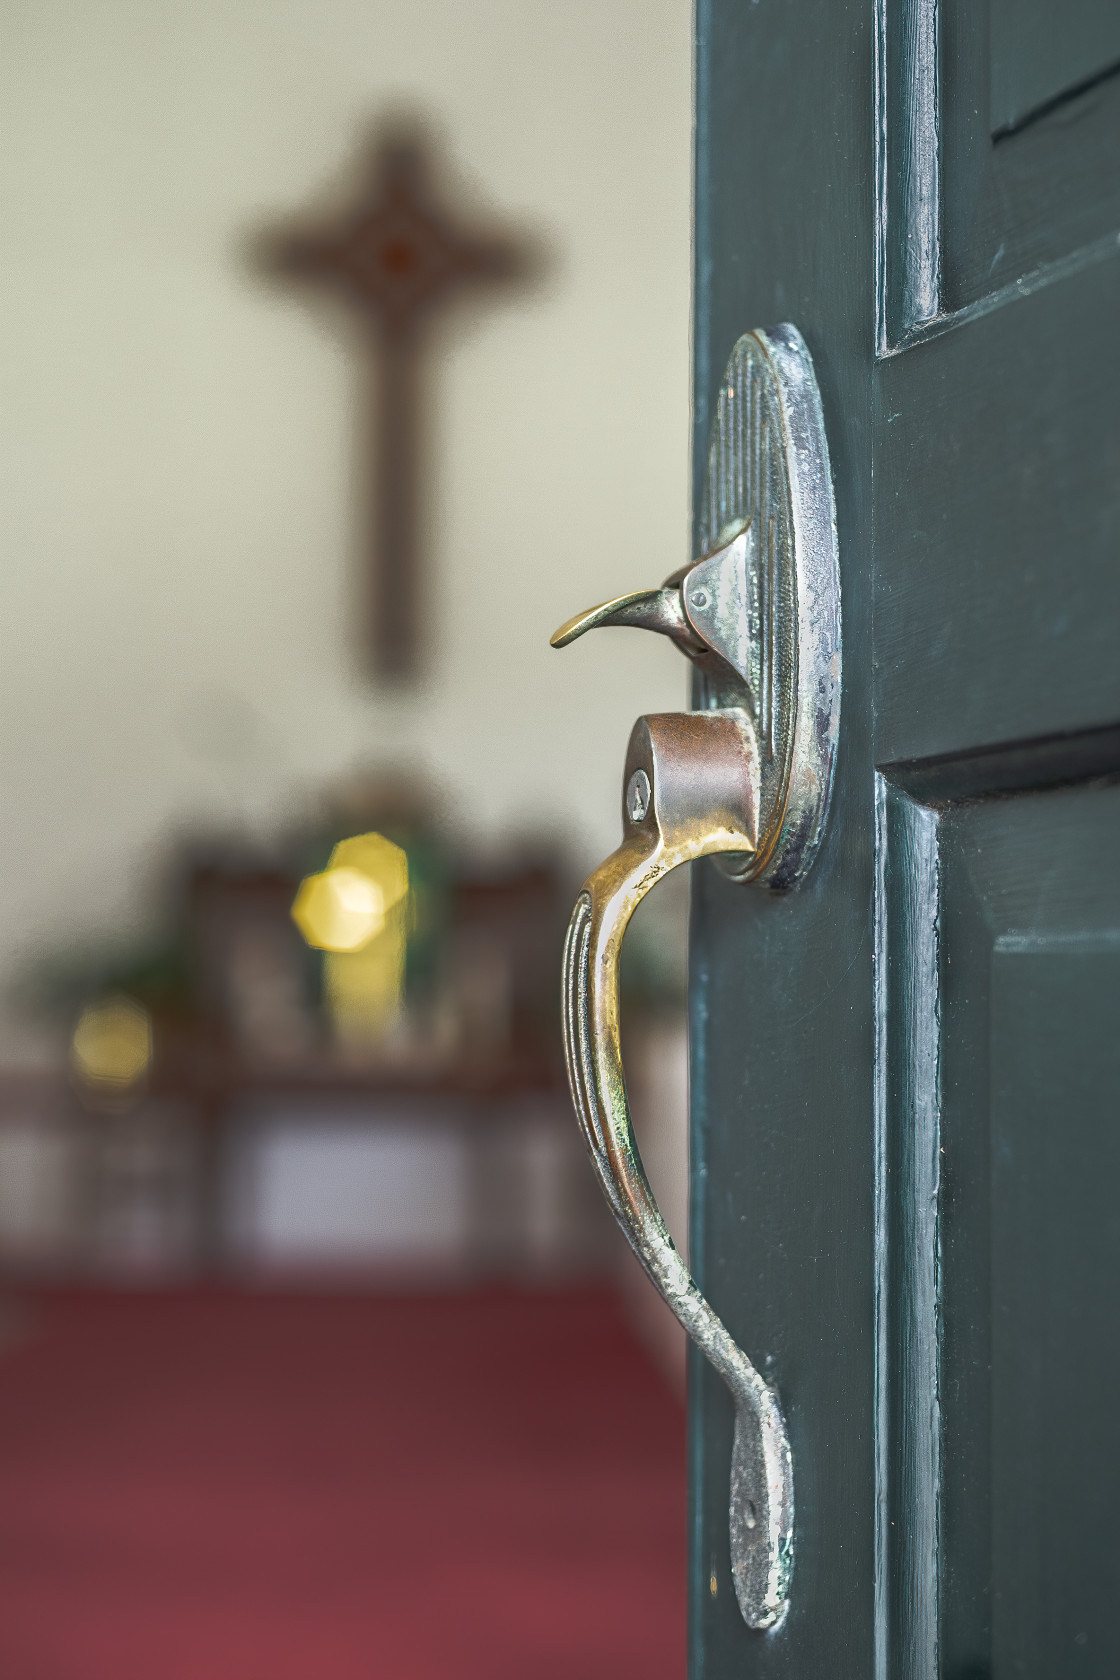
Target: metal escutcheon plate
(768,468)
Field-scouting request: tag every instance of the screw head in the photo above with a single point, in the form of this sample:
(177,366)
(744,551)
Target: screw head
(699,599)
(637,796)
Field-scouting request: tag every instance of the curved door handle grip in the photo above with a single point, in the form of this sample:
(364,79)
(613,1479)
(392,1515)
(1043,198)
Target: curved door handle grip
(690,791)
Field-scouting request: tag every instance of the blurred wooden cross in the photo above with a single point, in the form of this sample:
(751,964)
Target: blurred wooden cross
(398,258)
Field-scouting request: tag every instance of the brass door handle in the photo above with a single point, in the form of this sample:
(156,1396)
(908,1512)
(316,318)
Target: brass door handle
(689,793)
(744,779)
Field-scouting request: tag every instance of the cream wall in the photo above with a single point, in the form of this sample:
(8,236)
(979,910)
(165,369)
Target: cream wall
(180,501)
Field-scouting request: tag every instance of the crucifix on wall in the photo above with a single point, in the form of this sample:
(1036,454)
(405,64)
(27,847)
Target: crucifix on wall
(399,258)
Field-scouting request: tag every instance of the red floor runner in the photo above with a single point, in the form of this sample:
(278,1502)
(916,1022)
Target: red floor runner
(237,1487)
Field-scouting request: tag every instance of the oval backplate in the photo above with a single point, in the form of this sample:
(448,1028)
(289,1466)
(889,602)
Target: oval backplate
(768,466)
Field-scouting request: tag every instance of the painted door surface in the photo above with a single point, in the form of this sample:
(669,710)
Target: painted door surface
(906,1072)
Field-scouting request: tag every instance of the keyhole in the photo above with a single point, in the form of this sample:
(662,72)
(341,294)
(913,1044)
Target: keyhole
(637,796)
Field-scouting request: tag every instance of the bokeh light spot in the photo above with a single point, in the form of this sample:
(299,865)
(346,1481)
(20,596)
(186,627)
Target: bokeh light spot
(345,906)
(112,1044)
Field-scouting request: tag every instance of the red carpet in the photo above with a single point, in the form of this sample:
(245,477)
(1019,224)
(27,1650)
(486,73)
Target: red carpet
(238,1487)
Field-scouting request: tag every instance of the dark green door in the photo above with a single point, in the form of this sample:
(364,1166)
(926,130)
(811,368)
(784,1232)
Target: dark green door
(906,1071)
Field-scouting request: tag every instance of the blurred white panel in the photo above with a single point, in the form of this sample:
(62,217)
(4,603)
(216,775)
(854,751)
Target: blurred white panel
(564,1221)
(351,1191)
(37,1183)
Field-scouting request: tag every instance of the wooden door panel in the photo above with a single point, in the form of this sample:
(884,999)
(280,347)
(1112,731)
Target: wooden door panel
(1043,51)
(983,196)
(1055,1198)
(999,1125)
(1034,191)
(995,440)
